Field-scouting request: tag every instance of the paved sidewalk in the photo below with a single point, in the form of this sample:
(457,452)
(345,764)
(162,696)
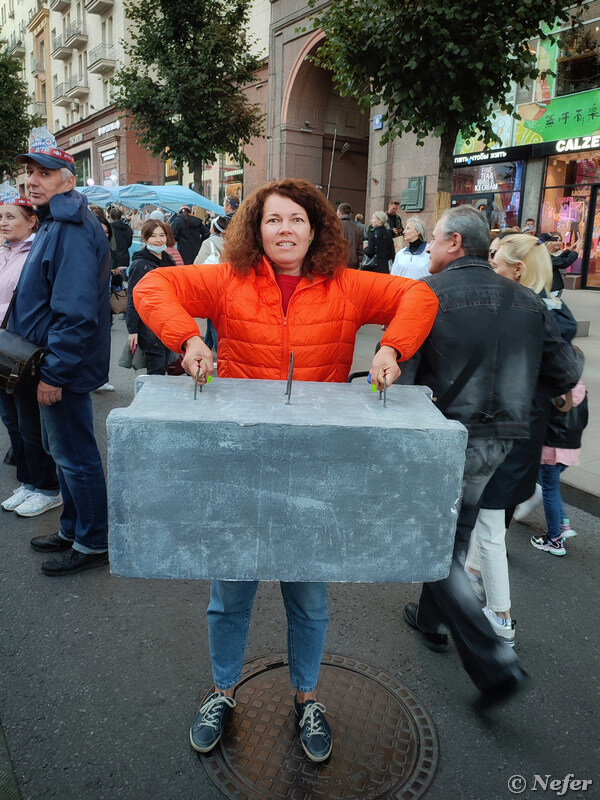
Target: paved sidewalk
(101,675)
(585,306)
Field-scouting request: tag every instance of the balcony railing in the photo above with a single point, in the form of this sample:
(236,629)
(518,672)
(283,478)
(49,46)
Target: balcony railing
(76,35)
(40,109)
(77,86)
(98,6)
(102,59)
(36,66)
(16,45)
(59,95)
(60,49)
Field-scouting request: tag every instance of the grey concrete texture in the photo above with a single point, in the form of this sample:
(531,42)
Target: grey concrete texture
(275,491)
(100,676)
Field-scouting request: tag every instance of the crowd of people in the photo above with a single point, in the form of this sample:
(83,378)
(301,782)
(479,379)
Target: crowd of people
(478,321)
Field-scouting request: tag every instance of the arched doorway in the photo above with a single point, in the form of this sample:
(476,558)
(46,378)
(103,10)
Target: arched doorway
(325,137)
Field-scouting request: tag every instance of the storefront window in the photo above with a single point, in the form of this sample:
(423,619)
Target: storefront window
(494,188)
(82,167)
(565,208)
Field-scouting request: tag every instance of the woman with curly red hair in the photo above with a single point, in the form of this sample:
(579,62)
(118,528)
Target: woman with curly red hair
(283,288)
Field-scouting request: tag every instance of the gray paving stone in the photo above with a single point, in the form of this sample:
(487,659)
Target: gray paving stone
(238,485)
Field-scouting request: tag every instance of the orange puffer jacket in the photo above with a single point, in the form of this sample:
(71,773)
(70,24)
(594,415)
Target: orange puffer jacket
(255,339)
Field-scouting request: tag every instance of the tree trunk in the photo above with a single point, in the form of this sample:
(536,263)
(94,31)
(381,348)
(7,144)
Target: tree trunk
(196,170)
(446,163)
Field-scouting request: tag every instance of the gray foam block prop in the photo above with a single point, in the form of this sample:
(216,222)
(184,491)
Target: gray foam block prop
(238,485)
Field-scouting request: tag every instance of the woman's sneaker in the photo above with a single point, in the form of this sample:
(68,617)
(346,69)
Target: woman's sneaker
(504,628)
(209,722)
(315,733)
(18,496)
(566,531)
(554,546)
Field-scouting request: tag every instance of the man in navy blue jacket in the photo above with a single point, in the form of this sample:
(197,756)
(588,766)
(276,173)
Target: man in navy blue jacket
(62,304)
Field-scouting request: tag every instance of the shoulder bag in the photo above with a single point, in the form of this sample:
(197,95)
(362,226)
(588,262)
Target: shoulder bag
(20,360)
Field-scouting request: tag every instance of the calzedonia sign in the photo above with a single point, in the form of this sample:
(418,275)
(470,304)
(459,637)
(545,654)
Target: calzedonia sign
(537,150)
(579,143)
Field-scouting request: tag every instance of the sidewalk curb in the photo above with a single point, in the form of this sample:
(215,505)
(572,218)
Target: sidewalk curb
(8,781)
(579,498)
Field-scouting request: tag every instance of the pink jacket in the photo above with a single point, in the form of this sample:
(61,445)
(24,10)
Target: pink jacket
(12,258)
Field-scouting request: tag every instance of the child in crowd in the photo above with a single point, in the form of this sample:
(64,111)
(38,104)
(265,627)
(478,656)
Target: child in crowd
(561,450)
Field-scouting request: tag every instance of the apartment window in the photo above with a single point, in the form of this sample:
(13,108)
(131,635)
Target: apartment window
(42,51)
(107,31)
(54,83)
(578,65)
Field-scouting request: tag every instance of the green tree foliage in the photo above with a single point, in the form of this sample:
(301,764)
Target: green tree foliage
(183,84)
(15,121)
(437,66)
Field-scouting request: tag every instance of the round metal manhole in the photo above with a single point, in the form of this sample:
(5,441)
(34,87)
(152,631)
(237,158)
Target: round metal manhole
(384,742)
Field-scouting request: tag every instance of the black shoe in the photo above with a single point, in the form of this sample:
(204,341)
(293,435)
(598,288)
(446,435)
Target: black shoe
(50,544)
(503,692)
(315,733)
(209,722)
(74,561)
(438,642)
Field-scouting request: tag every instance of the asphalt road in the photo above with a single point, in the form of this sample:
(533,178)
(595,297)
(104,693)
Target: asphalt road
(101,675)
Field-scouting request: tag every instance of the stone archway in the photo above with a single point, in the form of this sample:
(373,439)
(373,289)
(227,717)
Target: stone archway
(313,115)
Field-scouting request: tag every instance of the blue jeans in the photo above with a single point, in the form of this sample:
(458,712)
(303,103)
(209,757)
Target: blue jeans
(549,478)
(68,435)
(228,618)
(211,339)
(21,415)
(451,602)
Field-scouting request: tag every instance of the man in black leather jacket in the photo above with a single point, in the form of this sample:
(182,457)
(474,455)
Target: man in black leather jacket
(491,343)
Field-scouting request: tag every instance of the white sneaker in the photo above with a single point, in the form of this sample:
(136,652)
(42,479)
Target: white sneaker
(566,531)
(504,628)
(18,496)
(37,503)
(106,387)
(525,508)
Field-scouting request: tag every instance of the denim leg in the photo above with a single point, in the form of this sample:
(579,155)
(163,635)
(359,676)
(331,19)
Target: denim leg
(549,477)
(68,434)
(307,618)
(8,415)
(41,468)
(451,602)
(228,617)
(211,339)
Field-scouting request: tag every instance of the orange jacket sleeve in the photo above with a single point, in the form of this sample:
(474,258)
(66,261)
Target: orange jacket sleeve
(407,307)
(168,298)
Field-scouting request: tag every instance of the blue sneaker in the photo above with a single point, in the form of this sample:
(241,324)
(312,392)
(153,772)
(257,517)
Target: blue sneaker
(315,733)
(209,722)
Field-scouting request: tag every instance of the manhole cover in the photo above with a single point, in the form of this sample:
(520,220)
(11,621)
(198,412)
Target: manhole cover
(384,742)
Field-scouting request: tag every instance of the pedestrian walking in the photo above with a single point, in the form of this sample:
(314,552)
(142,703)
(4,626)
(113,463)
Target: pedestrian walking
(123,235)
(523,259)
(36,471)
(352,235)
(62,305)
(284,287)
(188,231)
(379,251)
(491,343)
(562,445)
